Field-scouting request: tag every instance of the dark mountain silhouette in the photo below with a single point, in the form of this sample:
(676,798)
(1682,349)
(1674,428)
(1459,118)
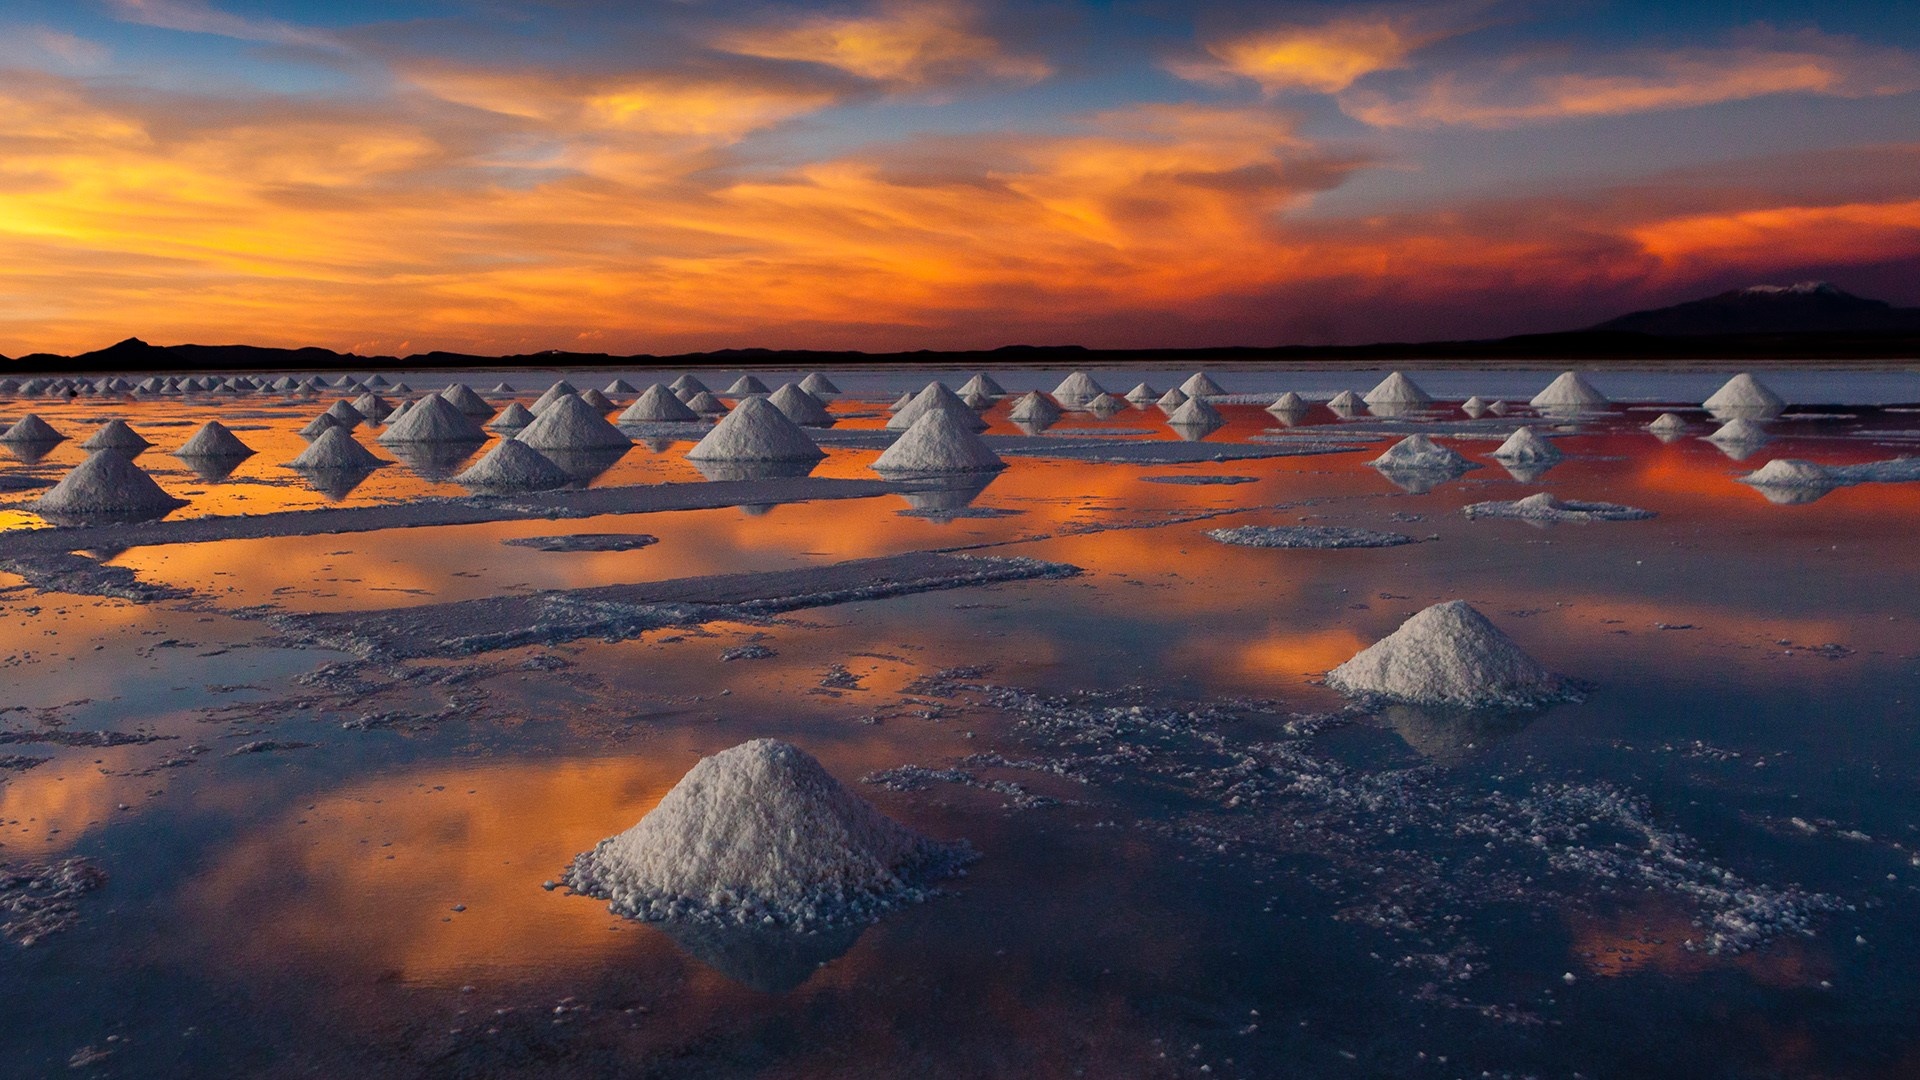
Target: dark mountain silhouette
(1812,307)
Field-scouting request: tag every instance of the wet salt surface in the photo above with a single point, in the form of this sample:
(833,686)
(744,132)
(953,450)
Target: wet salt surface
(322,864)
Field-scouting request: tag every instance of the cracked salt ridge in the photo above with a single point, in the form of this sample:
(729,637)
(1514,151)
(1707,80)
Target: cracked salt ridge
(614,612)
(1545,508)
(39,899)
(1411,846)
(1315,537)
(585,542)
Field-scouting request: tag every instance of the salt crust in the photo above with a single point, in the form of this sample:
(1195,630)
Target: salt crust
(1544,507)
(1314,537)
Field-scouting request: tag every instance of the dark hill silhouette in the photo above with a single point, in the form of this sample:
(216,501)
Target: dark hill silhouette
(1812,307)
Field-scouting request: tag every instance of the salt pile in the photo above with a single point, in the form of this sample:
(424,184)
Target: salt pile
(400,388)
(984,385)
(462,397)
(756,431)
(335,449)
(1790,472)
(378,382)
(1667,423)
(619,386)
(1739,431)
(346,415)
(745,385)
(213,440)
(1143,395)
(1526,445)
(1418,453)
(515,416)
(1200,384)
(318,426)
(1311,537)
(554,393)
(344,382)
(976,400)
(1473,406)
(1288,402)
(656,404)
(569,423)
(1033,407)
(1345,401)
(1397,389)
(1449,654)
(115,435)
(1172,400)
(1498,408)
(762,834)
(503,388)
(107,484)
(31,429)
(598,400)
(512,465)
(901,402)
(373,407)
(686,386)
(1746,394)
(818,385)
(935,396)
(1076,388)
(801,407)
(1196,413)
(706,404)
(433,419)
(1569,391)
(1545,508)
(938,442)
(1104,405)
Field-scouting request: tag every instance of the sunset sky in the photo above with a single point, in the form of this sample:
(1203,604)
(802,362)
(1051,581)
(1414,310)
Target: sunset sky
(667,176)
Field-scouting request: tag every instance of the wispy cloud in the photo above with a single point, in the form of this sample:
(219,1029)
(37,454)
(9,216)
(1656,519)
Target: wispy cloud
(1326,55)
(201,17)
(903,41)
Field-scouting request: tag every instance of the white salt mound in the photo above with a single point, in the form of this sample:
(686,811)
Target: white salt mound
(1144,394)
(744,385)
(1196,413)
(1449,654)
(984,385)
(901,402)
(1201,384)
(1473,406)
(106,483)
(115,435)
(432,419)
(818,385)
(373,407)
(656,404)
(1790,472)
(935,396)
(755,431)
(1526,445)
(618,386)
(569,423)
(462,397)
(346,415)
(1744,392)
(1105,405)
(31,429)
(686,386)
(1345,401)
(1667,422)
(1397,389)
(598,400)
(801,407)
(706,404)
(1545,508)
(1033,407)
(1739,430)
(335,449)
(213,440)
(1498,408)
(938,443)
(512,465)
(553,393)
(1569,391)
(516,416)
(1418,453)
(1288,402)
(1076,388)
(1172,400)
(318,426)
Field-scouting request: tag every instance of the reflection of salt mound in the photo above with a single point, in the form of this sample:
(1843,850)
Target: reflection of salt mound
(107,484)
(762,835)
(512,418)
(1545,508)
(1745,394)
(818,385)
(115,435)
(1201,384)
(1739,431)
(1346,401)
(1172,400)
(706,404)
(984,385)
(1288,402)
(745,385)
(432,419)
(553,393)
(569,423)
(213,440)
(656,404)
(801,407)
(335,449)
(935,396)
(1569,391)
(938,443)
(770,959)
(1397,389)
(1790,472)
(1418,453)
(1143,394)
(1525,444)
(462,397)
(1667,424)
(1196,413)
(513,466)
(1076,388)
(1453,736)
(1473,406)
(1449,654)
(1033,407)
(756,431)
(31,429)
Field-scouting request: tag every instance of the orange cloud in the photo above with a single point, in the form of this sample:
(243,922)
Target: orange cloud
(906,42)
(1850,233)
(1325,58)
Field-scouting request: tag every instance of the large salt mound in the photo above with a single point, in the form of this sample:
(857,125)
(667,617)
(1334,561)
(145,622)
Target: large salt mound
(686,386)
(1200,384)
(1449,655)
(554,393)
(656,404)
(938,442)
(569,423)
(1172,400)
(1144,394)
(318,426)
(346,415)
(1569,391)
(512,418)
(801,407)
(1033,407)
(984,385)
(373,407)
(1345,401)
(1195,412)
(433,419)
(1790,472)
(1418,453)
(1545,508)
(755,431)
(115,435)
(335,449)
(1525,444)
(512,465)
(1667,423)
(818,385)
(1076,388)
(1739,431)
(762,834)
(1397,389)
(106,484)
(213,440)
(1288,402)
(706,403)
(1744,393)
(935,396)
(31,429)
(462,397)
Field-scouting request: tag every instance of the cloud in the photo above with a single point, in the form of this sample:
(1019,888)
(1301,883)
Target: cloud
(200,17)
(912,42)
(1548,87)
(45,48)
(1324,57)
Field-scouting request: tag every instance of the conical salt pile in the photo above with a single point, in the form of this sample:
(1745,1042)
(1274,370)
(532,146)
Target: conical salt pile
(1449,654)
(901,402)
(1739,430)
(1033,407)
(1076,388)
(977,401)
(335,449)
(1789,472)
(935,396)
(1105,405)
(399,388)
(619,386)
(745,385)
(1473,406)
(512,418)
(213,440)
(569,423)
(1666,423)
(1201,384)
(1172,400)
(1417,453)
(1195,412)
(1498,408)
(1745,393)
(598,400)
(706,403)
(433,419)
(801,407)
(1345,401)
(984,385)
(343,382)
(318,426)
(1143,394)
(512,465)
(938,443)
(755,431)
(1397,389)
(1288,402)
(503,389)
(107,483)
(686,386)
(554,393)
(1526,445)
(346,415)
(762,835)
(656,404)
(1569,391)
(462,397)
(378,382)
(115,435)
(818,385)
(31,429)
(286,382)
(373,407)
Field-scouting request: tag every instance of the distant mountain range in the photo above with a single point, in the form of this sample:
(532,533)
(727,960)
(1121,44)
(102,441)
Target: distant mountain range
(1812,320)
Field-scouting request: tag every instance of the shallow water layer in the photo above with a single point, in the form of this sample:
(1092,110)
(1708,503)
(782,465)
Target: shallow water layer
(1194,856)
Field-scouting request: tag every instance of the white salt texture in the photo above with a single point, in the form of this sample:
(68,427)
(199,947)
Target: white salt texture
(1449,654)
(1525,444)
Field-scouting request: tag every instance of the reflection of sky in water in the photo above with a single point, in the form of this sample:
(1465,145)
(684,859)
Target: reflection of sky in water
(1752,664)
